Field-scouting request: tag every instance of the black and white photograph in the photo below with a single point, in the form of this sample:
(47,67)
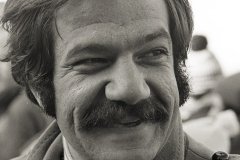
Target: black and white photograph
(119,80)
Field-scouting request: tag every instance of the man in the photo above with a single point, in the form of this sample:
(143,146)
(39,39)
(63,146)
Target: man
(109,71)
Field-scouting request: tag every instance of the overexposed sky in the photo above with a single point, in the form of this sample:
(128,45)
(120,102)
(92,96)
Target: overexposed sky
(219,20)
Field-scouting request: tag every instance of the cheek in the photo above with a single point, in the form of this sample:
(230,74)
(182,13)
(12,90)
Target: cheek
(164,85)
(74,95)
(70,93)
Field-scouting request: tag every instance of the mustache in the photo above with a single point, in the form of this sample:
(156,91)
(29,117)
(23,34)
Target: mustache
(107,113)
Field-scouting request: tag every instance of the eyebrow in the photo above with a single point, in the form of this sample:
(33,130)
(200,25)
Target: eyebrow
(96,47)
(90,48)
(156,35)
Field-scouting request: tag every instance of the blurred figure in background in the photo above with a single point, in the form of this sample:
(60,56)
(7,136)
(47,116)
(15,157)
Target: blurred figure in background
(8,87)
(20,121)
(202,114)
(229,90)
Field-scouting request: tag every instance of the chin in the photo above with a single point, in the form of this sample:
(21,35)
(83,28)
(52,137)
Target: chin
(141,142)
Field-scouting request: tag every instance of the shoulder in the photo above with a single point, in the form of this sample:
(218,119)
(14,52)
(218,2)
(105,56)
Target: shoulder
(48,146)
(198,151)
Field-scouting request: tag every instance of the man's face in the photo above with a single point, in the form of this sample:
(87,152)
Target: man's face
(116,92)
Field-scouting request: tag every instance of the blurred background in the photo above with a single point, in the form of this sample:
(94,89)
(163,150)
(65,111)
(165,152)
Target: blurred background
(219,21)
(212,113)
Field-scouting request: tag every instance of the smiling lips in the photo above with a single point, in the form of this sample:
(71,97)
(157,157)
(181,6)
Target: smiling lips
(130,124)
(128,121)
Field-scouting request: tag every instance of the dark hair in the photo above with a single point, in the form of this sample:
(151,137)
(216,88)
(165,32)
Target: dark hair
(199,42)
(31,42)
(181,28)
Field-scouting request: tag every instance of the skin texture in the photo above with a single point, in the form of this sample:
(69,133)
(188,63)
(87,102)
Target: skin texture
(121,51)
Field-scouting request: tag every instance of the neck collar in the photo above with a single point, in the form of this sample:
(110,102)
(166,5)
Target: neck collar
(67,153)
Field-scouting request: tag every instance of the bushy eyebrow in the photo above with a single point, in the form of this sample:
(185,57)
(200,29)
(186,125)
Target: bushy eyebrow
(156,35)
(92,48)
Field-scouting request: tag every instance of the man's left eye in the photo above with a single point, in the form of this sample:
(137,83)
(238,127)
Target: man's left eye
(155,54)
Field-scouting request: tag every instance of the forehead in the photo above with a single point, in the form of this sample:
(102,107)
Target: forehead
(77,14)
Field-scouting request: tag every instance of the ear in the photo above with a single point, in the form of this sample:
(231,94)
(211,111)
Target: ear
(37,97)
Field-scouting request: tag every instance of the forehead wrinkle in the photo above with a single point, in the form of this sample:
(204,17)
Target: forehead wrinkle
(160,32)
(87,12)
(82,35)
(76,23)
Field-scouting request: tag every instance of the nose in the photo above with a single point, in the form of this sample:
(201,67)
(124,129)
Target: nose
(127,84)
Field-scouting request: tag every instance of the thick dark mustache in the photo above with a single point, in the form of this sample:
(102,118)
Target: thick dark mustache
(107,113)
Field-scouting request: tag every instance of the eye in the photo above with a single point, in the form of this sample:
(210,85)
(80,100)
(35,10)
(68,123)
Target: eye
(153,54)
(152,57)
(93,61)
(90,65)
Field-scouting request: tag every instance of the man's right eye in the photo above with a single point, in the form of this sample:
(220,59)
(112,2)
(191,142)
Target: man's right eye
(90,65)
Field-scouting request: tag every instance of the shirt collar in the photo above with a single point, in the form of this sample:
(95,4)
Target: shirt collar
(67,154)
